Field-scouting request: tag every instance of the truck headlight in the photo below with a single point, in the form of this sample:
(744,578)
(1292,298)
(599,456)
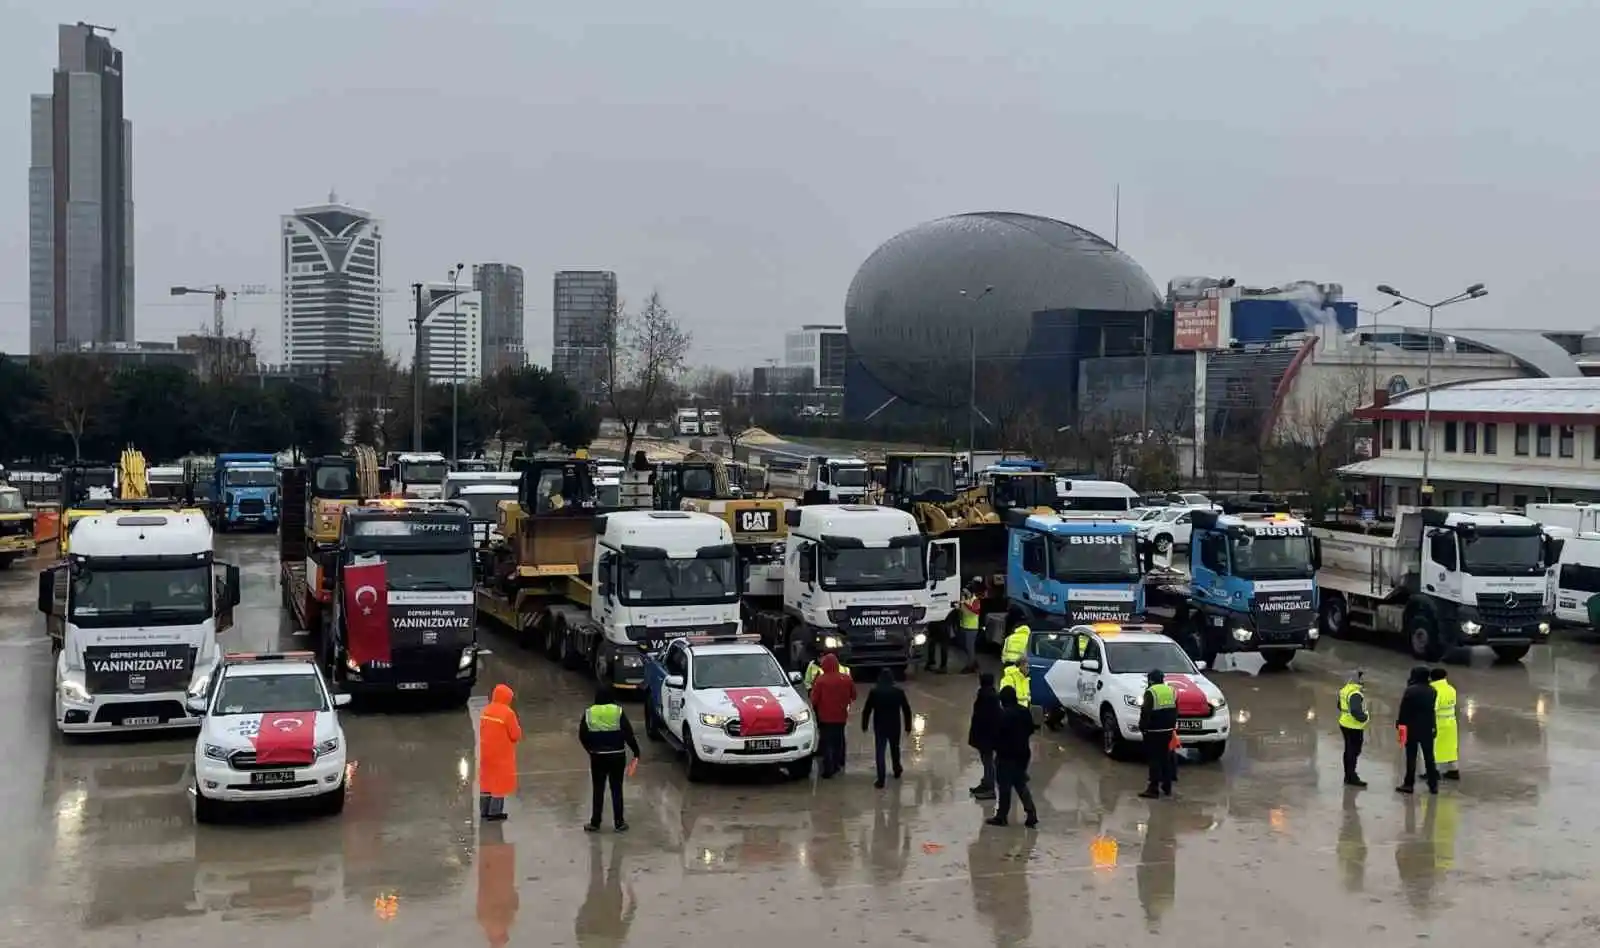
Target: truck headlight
(803,716)
(352,664)
(831,641)
(1544,628)
(216,752)
(1312,633)
(1470,628)
(327,747)
(467,656)
(1131,701)
(919,639)
(73,691)
(1241,635)
(713,720)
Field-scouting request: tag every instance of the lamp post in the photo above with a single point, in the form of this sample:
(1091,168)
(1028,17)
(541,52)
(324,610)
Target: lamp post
(972,382)
(1472,292)
(455,362)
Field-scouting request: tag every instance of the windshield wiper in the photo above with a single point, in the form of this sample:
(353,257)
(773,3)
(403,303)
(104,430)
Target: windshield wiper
(426,584)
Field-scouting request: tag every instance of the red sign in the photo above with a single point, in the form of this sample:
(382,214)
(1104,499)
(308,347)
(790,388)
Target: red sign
(286,737)
(366,613)
(1197,324)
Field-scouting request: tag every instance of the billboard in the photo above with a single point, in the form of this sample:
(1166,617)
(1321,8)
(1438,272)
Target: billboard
(1197,324)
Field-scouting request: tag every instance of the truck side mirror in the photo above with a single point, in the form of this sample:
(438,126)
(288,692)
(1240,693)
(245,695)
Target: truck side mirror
(47,591)
(1552,549)
(196,704)
(233,585)
(1316,553)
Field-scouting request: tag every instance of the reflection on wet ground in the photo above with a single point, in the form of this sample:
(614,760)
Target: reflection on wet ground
(1264,848)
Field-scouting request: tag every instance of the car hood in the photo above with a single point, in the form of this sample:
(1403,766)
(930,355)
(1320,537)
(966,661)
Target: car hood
(732,701)
(1195,692)
(239,731)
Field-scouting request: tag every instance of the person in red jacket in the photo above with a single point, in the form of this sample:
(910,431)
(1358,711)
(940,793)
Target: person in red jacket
(832,694)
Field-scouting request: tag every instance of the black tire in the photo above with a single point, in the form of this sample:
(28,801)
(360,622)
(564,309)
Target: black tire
(800,769)
(1334,616)
(552,638)
(1510,654)
(652,724)
(695,766)
(1212,752)
(1111,740)
(332,803)
(1276,659)
(1423,639)
(6,560)
(458,696)
(206,812)
(1163,544)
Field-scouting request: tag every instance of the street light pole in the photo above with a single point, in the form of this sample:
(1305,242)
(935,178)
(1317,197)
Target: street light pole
(418,372)
(972,381)
(455,363)
(1475,291)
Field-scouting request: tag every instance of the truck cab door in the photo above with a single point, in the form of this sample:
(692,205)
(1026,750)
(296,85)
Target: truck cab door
(1441,576)
(226,585)
(944,578)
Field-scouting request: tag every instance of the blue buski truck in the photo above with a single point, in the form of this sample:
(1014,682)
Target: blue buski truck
(1066,571)
(246,491)
(1252,588)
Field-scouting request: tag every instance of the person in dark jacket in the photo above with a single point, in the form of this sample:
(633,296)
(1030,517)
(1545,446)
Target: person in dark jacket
(1012,754)
(1418,719)
(983,732)
(1158,719)
(888,702)
(832,694)
(605,733)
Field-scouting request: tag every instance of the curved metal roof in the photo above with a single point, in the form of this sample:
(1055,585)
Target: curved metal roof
(1530,348)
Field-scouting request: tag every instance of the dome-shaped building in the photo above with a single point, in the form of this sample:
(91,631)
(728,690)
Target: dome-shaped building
(1029,294)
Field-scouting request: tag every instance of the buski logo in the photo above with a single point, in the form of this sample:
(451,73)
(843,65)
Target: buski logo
(1098,539)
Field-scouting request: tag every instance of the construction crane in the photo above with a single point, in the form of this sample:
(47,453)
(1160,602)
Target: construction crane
(92,27)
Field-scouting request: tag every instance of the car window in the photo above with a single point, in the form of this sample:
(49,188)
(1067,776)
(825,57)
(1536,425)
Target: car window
(1185,518)
(751,670)
(1055,646)
(677,661)
(1091,648)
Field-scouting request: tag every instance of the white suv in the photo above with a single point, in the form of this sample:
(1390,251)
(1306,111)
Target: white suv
(269,731)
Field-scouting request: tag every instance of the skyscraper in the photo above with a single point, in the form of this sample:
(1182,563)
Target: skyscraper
(500,288)
(452,343)
(80,200)
(332,284)
(584,303)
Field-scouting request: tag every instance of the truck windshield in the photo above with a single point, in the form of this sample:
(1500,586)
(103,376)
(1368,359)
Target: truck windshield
(424,472)
(417,571)
(485,507)
(661,581)
(1285,556)
(1103,558)
(755,670)
(263,694)
(246,477)
(334,481)
(848,476)
(899,567)
(699,482)
(1143,657)
(12,502)
(1487,553)
(931,476)
(107,596)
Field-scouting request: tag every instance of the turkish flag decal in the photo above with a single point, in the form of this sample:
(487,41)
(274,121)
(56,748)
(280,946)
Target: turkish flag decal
(366,613)
(287,737)
(760,712)
(1192,702)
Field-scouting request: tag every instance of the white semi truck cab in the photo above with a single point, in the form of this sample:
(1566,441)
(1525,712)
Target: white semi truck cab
(133,615)
(1444,578)
(837,480)
(420,474)
(862,581)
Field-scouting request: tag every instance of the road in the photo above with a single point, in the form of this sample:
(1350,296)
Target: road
(1265,848)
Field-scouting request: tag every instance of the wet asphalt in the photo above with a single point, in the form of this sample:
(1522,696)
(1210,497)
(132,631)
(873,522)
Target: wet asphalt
(1264,848)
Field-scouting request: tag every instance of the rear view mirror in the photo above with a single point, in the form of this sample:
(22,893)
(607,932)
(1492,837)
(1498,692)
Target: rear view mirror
(796,677)
(1316,553)
(674,681)
(196,704)
(341,700)
(233,585)
(47,591)
(1201,666)
(1091,665)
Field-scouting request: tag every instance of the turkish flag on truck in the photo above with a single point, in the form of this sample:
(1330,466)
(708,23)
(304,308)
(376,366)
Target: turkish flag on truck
(366,612)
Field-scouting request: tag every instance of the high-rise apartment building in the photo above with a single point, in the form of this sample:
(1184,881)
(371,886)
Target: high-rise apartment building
(585,301)
(821,348)
(500,287)
(332,284)
(452,344)
(80,200)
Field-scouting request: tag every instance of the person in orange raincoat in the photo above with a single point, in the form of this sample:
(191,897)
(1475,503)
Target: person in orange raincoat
(498,734)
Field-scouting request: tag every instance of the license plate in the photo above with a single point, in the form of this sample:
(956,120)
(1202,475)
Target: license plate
(136,722)
(268,777)
(1190,725)
(413,686)
(765,744)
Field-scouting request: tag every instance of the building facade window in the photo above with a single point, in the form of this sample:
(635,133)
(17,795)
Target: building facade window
(1491,439)
(1566,443)
(1387,429)
(1468,498)
(1405,435)
(1542,441)
(1450,437)
(1469,437)
(1519,444)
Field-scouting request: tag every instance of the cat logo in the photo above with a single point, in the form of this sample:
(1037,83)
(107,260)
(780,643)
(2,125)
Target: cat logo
(754,521)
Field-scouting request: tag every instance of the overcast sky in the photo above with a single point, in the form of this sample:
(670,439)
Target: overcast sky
(744,159)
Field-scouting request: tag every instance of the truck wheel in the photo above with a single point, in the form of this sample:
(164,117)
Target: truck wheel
(1111,742)
(1276,659)
(696,767)
(1335,615)
(552,638)
(1212,752)
(1424,639)
(1163,544)
(332,802)
(1510,653)
(800,769)
(206,811)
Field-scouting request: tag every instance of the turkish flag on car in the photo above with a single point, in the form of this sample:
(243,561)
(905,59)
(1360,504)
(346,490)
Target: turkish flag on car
(287,737)
(366,612)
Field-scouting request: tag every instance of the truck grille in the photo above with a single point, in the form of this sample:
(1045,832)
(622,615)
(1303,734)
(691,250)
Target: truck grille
(121,711)
(253,505)
(734,728)
(1519,610)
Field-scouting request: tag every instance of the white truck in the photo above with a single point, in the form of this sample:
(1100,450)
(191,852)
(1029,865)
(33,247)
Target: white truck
(133,615)
(1576,518)
(1444,578)
(820,479)
(861,581)
(419,474)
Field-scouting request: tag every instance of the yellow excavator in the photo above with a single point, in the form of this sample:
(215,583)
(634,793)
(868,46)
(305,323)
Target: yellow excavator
(89,490)
(701,481)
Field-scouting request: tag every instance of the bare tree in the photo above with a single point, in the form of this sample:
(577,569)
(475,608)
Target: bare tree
(1315,433)
(645,353)
(76,387)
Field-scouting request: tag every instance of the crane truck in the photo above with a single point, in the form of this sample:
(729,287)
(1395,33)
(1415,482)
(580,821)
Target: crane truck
(1444,578)
(597,591)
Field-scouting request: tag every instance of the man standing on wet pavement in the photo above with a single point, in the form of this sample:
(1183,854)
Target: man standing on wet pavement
(984,732)
(831,697)
(1353,717)
(1013,753)
(888,702)
(605,733)
(1158,720)
(1446,743)
(1417,723)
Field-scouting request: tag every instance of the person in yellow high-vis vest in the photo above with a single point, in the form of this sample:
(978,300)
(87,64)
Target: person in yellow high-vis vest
(1016,677)
(1353,717)
(971,617)
(815,669)
(1016,645)
(1446,742)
